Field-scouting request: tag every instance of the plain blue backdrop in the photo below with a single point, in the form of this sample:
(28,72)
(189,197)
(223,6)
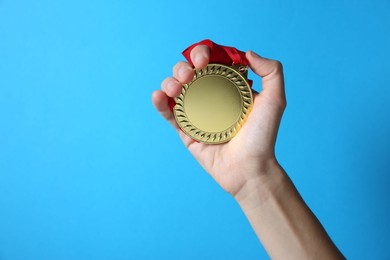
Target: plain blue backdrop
(88,169)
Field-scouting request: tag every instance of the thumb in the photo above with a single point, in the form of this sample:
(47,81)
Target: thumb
(271,72)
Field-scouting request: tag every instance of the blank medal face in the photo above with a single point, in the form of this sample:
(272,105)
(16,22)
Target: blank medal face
(214,105)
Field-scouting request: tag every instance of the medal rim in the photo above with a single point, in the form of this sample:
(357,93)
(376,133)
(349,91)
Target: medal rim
(225,135)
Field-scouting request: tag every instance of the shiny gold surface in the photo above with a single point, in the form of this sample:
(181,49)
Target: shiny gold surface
(215,104)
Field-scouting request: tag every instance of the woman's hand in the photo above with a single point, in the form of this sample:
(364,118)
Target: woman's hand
(250,154)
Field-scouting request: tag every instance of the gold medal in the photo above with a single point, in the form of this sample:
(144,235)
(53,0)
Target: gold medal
(215,104)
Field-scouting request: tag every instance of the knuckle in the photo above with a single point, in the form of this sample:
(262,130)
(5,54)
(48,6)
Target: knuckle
(277,65)
(278,102)
(182,71)
(164,83)
(200,55)
(282,103)
(201,49)
(177,67)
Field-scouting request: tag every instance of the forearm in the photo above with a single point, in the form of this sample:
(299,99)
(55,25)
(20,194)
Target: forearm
(284,224)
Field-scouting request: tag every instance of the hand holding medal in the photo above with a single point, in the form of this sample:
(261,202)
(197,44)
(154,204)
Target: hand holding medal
(255,135)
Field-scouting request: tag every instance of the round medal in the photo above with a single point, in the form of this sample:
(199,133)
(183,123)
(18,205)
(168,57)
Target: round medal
(215,104)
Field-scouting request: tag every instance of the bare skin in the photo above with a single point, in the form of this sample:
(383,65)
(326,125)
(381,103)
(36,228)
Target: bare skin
(246,167)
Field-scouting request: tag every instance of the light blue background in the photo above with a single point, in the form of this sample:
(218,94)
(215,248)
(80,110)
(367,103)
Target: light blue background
(88,169)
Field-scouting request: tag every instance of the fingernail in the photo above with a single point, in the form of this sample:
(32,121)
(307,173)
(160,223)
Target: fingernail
(254,54)
(170,85)
(182,72)
(198,58)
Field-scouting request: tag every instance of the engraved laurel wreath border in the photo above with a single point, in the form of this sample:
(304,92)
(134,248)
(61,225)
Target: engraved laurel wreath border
(214,137)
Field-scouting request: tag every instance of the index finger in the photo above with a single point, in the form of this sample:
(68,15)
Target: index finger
(200,56)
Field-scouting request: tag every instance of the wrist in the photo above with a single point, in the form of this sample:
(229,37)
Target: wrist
(264,184)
